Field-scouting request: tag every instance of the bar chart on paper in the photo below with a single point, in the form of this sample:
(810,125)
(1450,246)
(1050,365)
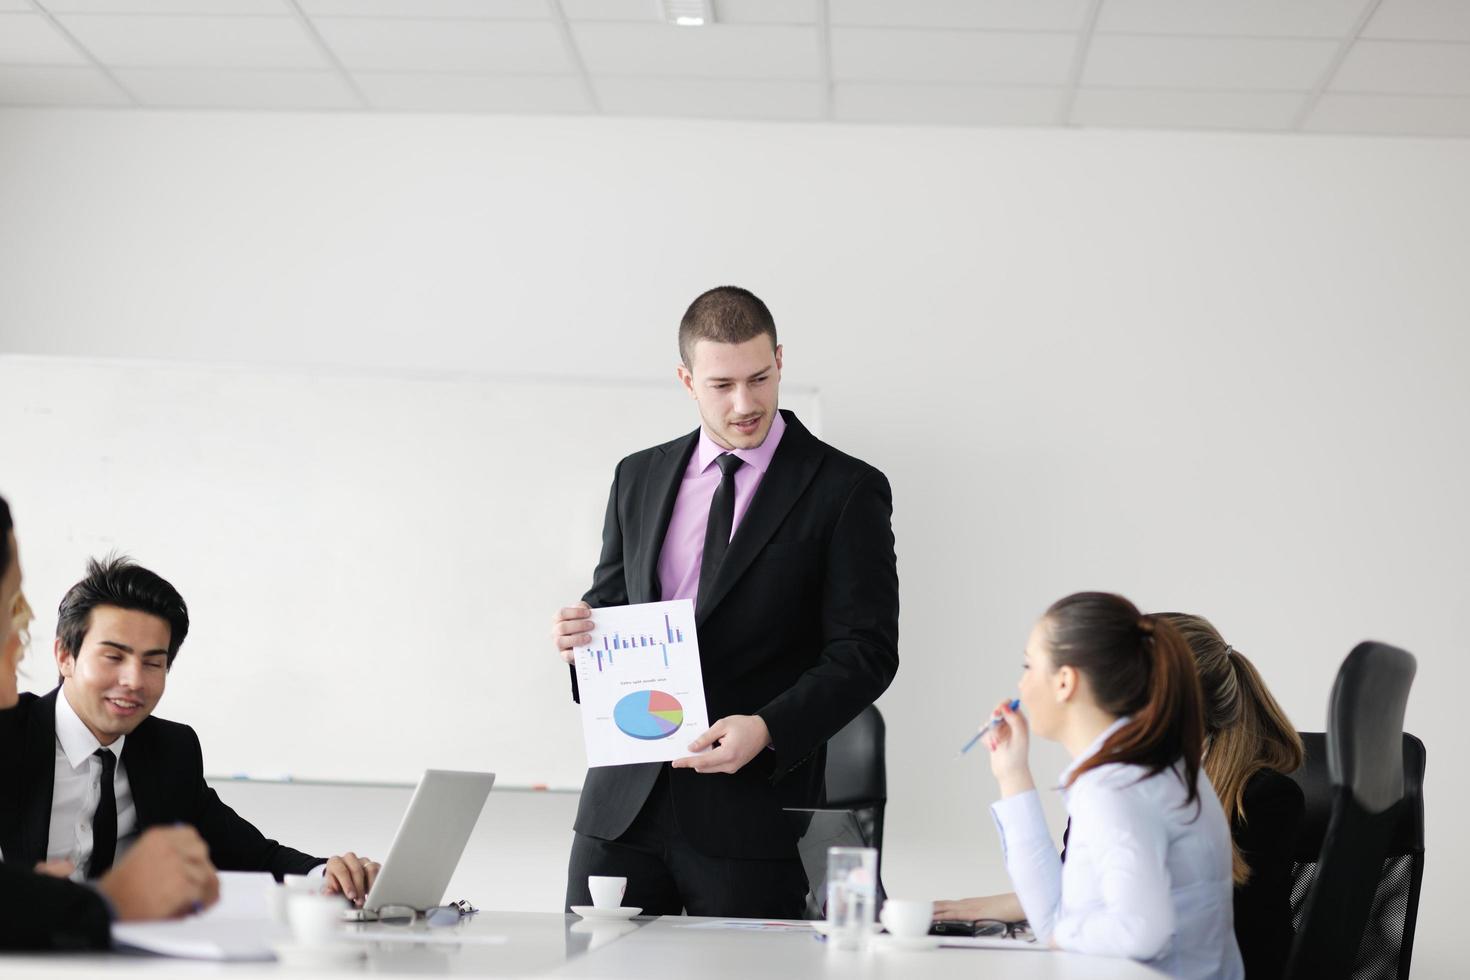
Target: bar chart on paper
(617,643)
(640,684)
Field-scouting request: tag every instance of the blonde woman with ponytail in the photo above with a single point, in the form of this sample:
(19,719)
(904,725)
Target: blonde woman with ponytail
(1250,746)
(1148,869)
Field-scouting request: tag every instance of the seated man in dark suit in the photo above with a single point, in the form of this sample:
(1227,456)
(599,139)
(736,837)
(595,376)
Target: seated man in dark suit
(167,874)
(90,768)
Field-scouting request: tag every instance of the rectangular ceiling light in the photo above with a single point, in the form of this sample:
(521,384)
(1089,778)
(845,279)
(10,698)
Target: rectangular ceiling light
(688,13)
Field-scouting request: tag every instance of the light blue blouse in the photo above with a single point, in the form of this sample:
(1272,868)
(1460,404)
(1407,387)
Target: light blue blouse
(1147,876)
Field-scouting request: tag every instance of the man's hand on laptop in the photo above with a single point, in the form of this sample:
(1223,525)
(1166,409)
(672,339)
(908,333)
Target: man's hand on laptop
(349,875)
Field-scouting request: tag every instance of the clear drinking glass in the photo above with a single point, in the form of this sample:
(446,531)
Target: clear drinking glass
(852,893)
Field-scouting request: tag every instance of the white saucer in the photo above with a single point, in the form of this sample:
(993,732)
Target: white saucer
(593,912)
(823,927)
(910,943)
(603,927)
(316,956)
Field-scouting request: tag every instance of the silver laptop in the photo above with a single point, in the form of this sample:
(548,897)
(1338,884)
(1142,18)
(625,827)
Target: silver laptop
(430,840)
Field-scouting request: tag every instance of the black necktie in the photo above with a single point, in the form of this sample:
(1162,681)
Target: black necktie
(717,530)
(104,821)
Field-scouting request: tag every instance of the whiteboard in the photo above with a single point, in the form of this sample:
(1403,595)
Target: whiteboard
(371,562)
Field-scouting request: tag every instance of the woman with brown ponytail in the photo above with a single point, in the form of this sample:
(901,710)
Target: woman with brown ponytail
(1148,869)
(1250,745)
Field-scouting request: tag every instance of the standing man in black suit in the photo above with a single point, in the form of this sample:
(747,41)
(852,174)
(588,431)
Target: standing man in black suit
(167,874)
(786,546)
(87,769)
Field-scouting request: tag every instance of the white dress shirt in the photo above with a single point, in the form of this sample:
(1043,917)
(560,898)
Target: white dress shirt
(1147,876)
(78,788)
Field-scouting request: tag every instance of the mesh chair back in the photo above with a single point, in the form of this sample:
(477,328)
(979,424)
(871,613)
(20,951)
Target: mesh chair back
(1360,856)
(1388,939)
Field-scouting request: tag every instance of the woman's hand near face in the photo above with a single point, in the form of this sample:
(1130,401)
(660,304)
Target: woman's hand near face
(1009,743)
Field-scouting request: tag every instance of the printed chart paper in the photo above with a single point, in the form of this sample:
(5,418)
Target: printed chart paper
(749,925)
(641,686)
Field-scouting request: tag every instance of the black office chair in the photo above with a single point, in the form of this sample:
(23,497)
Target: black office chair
(856,795)
(857,773)
(1360,856)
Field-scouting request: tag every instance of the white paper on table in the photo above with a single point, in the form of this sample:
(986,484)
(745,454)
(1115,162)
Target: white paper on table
(640,684)
(237,927)
(748,925)
(449,937)
(991,942)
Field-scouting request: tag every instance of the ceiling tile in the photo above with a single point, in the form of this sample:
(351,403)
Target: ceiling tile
(1398,115)
(1186,110)
(431,9)
(28,39)
(1420,20)
(1207,63)
(238,89)
(1241,18)
(503,47)
(45,85)
(277,8)
(140,41)
(519,94)
(636,10)
(726,11)
(978,105)
(719,51)
(992,15)
(866,54)
(1405,68)
(765,11)
(712,98)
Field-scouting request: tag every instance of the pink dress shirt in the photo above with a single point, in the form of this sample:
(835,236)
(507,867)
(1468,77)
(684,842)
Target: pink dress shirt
(683,547)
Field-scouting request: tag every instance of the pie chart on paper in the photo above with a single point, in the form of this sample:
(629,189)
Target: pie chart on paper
(648,715)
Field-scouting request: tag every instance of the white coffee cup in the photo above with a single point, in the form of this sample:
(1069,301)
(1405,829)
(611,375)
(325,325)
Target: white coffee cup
(607,892)
(315,919)
(907,918)
(277,896)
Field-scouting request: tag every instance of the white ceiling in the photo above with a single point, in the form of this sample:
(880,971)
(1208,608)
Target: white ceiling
(1398,67)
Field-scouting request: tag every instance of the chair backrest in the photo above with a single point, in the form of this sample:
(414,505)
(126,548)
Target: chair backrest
(857,772)
(856,795)
(1360,856)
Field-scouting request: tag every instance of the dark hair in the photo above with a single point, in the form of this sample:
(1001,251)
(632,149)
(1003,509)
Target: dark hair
(1138,666)
(726,315)
(6,526)
(119,581)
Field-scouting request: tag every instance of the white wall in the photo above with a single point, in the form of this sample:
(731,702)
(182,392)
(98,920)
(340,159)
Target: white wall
(1218,373)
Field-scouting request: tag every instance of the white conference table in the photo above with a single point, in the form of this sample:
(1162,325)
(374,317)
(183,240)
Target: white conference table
(554,945)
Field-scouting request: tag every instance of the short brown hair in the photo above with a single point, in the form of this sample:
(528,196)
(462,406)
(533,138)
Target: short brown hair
(726,315)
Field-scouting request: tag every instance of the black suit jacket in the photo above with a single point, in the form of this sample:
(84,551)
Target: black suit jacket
(166,772)
(799,627)
(49,913)
(1274,807)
